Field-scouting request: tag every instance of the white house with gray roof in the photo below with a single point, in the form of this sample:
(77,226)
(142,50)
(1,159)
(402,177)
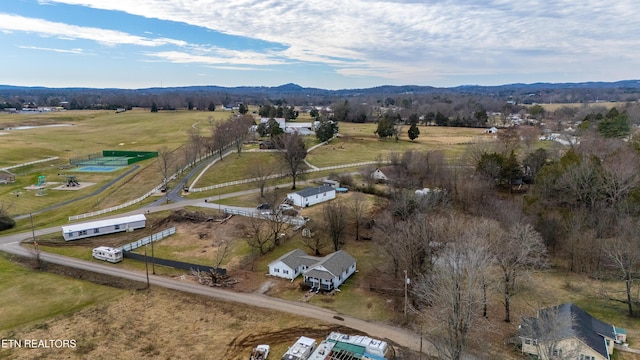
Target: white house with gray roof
(311,196)
(291,264)
(324,273)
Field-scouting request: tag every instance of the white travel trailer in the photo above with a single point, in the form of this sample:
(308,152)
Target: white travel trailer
(109,254)
(101,227)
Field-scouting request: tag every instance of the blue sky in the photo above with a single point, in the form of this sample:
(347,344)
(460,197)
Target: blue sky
(316,43)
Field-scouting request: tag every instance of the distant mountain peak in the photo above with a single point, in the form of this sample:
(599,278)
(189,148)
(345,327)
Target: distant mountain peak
(289,86)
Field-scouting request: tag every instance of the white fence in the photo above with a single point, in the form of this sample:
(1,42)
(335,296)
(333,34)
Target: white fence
(276,176)
(298,221)
(118,207)
(30,163)
(148,240)
(141,198)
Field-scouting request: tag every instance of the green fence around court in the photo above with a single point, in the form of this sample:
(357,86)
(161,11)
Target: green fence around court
(113,158)
(133,156)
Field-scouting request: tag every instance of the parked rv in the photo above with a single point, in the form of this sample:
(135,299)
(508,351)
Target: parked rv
(301,350)
(109,254)
(260,352)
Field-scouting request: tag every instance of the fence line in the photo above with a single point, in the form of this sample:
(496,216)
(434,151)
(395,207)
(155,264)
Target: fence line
(148,239)
(141,198)
(288,219)
(30,163)
(275,176)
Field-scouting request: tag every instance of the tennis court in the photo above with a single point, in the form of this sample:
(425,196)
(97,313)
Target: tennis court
(111,158)
(100,168)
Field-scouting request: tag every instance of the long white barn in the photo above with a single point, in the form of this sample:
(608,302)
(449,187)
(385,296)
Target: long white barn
(102,227)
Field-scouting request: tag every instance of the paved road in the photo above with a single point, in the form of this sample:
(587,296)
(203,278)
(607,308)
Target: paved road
(11,244)
(402,337)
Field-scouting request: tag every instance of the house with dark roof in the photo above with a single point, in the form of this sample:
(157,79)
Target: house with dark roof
(311,196)
(323,273)
(330,272)
(566,331)
(7,176)
(291,264)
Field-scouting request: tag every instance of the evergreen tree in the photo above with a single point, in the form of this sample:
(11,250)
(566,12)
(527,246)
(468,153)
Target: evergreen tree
(413,132)
(154,107)
(385,127)
(326,130)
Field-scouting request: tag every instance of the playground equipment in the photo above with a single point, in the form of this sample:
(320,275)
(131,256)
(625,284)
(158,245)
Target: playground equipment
(41,180)
(72,182)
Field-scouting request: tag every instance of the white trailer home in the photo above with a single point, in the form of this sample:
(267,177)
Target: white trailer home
(109,254)
(102,227)
(312,196)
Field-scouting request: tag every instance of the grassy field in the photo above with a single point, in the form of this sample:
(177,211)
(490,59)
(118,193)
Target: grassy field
(607,104)
(86,132)
(28,297)
(101,316)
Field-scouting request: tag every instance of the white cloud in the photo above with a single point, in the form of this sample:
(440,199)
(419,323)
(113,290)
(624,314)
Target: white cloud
(72,32)
(409,41)
(67,51)
(243,58)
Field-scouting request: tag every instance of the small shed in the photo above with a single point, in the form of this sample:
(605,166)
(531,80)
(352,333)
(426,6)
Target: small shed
(7,177)
(312,196)
(333,183)
(102,227)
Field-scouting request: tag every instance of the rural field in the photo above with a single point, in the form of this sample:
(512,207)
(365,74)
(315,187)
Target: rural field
(158,323)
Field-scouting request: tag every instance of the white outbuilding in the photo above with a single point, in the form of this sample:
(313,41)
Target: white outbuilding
(102,227)
(312,196)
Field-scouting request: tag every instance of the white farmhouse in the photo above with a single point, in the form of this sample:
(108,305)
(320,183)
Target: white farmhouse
(312,196)
(322,273)
(331,271)
(102,227)
(291,264)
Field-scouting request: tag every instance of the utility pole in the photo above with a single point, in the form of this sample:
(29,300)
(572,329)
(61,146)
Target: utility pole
(33,232)
(153,259)
(406,284)
(146,264)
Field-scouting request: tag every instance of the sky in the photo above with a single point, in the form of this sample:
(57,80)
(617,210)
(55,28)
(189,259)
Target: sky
(329,44)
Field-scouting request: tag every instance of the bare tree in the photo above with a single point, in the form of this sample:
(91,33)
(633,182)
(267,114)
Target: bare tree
(453,290)
(262,171)
(165,163)
(195,145)
(313,238)
(293,151)
(335,218)
(509,139)
(259,236)
(224,249)
(221,137)
(239,126)
(358,207)
(517,253)
(548,331)
(274,216)
(624,251)
(529,135)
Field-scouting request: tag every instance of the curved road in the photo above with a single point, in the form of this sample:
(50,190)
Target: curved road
(11,244)
(402,337)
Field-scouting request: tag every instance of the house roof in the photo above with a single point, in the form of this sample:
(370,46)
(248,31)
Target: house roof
(103,223)
(583,326)
(331,265)
(314,191)
(295,258)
